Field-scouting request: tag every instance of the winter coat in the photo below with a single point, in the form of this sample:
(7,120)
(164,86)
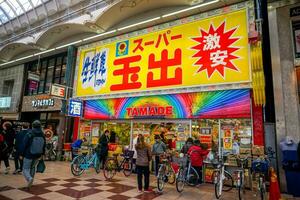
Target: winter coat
(197,155)
(103,145)
(143,156)
(25,151)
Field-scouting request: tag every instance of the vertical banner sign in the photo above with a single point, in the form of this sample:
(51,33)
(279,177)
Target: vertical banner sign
(75,108)
(206,52)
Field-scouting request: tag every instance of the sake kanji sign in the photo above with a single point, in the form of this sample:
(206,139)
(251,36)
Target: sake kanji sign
(206,52)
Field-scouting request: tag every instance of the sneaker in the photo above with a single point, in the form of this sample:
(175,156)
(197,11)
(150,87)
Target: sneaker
(148,190)
(140,191)
(15,172)
(30,184)
(6,171)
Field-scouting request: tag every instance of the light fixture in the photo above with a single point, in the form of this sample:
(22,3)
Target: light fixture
(46,51)
(99,35)
(139,23)
(23,58)
(190,8)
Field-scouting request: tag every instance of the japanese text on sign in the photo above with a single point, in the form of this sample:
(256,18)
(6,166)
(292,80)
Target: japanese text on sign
(205,52)
(75,108)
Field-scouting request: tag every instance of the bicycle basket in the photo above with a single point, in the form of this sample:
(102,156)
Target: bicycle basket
(260,166)
(128,153)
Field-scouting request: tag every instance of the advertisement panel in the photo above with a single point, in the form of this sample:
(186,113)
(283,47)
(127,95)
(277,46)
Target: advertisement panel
(205,52)
(217,104)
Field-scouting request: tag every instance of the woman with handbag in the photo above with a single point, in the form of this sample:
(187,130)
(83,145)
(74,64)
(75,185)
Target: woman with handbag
(143,151)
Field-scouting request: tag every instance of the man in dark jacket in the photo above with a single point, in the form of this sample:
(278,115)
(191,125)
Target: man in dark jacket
(33,149)
(103,147)
(9,136)
(19,142)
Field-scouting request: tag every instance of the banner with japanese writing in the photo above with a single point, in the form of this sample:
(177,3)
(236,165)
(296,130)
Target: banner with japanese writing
(206,52)
(209,105)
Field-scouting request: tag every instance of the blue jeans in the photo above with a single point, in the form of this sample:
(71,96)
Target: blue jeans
(29,168)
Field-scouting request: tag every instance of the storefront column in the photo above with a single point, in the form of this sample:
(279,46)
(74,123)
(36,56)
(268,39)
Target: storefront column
(131,134)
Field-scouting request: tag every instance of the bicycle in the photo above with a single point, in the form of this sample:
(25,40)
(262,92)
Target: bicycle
(223,180)
(260,169)
(186,175)
(166,172)
(242,163)
(112,165)
(85,161)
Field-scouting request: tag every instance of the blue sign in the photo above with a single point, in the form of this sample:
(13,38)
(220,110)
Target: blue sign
(75,108)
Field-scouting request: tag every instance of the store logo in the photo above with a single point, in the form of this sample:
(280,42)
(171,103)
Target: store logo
(150,111)
(122,48)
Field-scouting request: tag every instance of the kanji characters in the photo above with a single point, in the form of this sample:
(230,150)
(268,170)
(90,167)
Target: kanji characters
(164,64)
(218,57)
(211,42)
(94,71)
(129,73)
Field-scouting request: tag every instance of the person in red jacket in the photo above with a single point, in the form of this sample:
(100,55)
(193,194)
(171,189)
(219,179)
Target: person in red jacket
(197,155)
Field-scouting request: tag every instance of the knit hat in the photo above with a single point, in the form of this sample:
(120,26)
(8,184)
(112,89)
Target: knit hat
(36,124)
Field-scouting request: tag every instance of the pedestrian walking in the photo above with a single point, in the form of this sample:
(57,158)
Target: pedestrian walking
(33,150)
(187,145)
(142,164)
(8,134)
(18,146)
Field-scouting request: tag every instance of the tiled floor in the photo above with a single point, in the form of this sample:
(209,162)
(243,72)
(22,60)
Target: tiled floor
(58,183)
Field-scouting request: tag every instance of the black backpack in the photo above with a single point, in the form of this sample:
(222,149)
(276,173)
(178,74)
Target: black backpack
(36,147)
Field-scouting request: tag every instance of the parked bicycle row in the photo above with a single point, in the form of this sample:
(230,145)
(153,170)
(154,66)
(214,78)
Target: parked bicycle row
(185,169)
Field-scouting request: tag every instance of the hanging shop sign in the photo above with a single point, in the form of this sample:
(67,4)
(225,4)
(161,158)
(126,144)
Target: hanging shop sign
(38,103)
(5,102)
(33,77)
(295,11)
(58,90)
(216,104)
(75,108)
(206,52)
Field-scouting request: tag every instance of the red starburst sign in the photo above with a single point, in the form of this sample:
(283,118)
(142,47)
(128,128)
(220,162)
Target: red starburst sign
(215,50)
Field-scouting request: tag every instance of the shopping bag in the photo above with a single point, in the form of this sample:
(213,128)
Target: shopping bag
(41,167)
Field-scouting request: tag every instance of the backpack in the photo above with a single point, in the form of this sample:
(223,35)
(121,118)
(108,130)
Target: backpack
(36,147)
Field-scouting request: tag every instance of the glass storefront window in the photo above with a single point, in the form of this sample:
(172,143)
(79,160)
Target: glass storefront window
(298,81)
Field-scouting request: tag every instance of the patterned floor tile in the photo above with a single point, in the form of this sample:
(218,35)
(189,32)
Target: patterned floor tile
(56,188)
(35,190)
(80,187)
(93,184)
(5,188)
(60,182)
(148,196)
(43,185)
(55,196)
(82,182)
(78,194)
(106,194)
(93,180)
(119,197)
(119,188)
(16,194)
(69,185)
(105,187)
(71,180)
(4,197)
(34,198)
(50,179)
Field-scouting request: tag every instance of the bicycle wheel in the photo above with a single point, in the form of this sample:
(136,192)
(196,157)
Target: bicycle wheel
(97,165)
(227,182)
(192,177)
(262,188)
(110,169)
(127,167)
(216,176)
(171,175)
(160,178)
(180,181)
(75,166)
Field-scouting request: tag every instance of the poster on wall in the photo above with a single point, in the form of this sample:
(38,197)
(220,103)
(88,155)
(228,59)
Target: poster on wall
(209,51)
(296,38)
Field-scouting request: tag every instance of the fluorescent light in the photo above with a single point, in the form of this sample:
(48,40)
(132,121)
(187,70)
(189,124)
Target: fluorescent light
(139,23)
(191,8)
(46,51)
(69,44)
(24,58)
(7,63)
(99,35)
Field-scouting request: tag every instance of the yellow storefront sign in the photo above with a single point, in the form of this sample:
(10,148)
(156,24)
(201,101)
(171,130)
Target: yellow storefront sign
(206,52)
